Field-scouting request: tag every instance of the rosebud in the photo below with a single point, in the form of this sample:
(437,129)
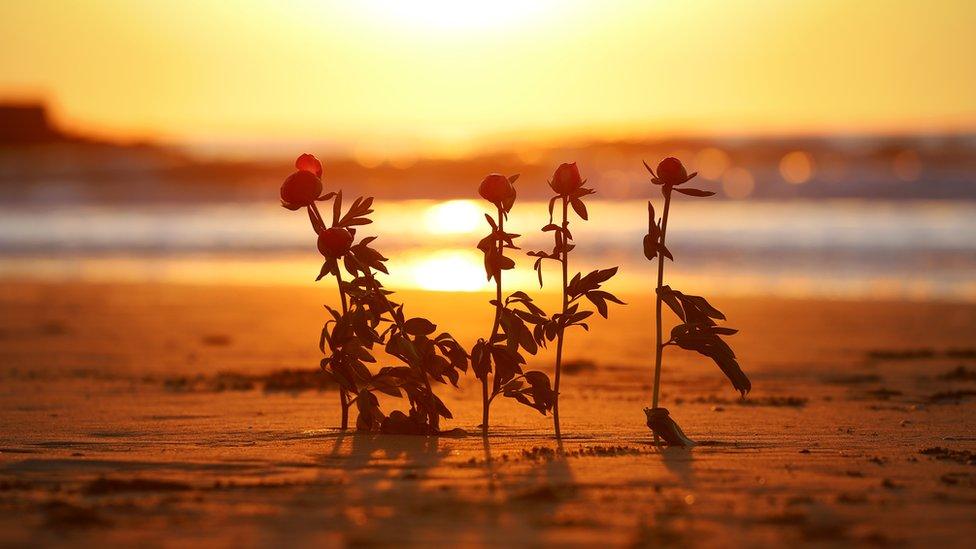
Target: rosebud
(300,190)
(498,190)
(566,179)
(671,172)
(334,242)
(308,163)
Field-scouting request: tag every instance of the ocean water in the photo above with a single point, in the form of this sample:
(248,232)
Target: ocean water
(829,248)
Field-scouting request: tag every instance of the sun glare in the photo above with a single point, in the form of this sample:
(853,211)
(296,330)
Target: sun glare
(452,217)
(457,14)
(448,271)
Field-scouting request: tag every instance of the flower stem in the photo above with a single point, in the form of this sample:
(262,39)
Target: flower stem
(659,348)
(343,397)
(494,328)
(344,402)
(564,260)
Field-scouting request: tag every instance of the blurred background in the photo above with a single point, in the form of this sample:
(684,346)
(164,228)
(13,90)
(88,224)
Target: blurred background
(146,141)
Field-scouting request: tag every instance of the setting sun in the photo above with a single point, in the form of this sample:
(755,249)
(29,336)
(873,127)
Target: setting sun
(453,216)
(447,270)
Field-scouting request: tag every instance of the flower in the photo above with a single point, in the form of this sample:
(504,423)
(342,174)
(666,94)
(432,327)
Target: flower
(566,179)
(498,189)
(308,163)
(301,189)
(671,172)
(335,242)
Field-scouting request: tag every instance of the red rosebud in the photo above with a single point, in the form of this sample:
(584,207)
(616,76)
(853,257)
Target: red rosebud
(671,172)
(300,190)
(308,163)
(566,179)
(498,190)
(335,242)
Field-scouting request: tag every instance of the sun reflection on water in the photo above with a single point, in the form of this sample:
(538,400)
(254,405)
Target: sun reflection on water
(444,270)
(453,217)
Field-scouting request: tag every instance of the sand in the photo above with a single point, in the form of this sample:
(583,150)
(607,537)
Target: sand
(145,414)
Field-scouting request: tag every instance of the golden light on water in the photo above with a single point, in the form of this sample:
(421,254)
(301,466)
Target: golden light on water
(446,271)
(453,217)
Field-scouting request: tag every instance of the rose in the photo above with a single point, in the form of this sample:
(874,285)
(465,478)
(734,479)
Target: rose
(671,172)
(301,189)
(566,179)
(335,242)
(498,190)
(308,163)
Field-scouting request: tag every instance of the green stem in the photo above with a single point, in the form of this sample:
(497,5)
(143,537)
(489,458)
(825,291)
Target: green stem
(562,329)
(659,348)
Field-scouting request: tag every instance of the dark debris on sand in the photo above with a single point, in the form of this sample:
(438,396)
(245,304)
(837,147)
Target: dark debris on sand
(959,373)
(947,454)
(773,401)
(943,397)
(106,486)
(62,515)
(284,381)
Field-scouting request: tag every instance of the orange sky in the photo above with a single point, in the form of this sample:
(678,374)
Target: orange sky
(440,75)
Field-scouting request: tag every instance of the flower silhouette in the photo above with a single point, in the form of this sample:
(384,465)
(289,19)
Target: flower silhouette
(566,179)
(671,173)
(499,190)
(335,242)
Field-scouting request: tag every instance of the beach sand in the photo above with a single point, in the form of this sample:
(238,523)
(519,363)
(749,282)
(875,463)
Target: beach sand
(152,415)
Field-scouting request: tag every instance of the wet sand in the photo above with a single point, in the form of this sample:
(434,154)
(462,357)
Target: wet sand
(149,414)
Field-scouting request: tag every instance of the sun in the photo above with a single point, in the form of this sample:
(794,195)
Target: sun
(457,14)
(448,271)
(453,217)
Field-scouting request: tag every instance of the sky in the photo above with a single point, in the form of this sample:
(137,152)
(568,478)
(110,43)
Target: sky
(441,76)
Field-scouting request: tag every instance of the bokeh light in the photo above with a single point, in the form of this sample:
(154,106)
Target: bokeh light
(738,183)
(907,166)
(796,167)
(711,163)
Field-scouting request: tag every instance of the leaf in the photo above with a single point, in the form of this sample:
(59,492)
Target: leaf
(667,295)
(665,252)
(316,225)
(337,208)
(537,378)
(650,247)
(578,207)
(694,192)
(649,170)
(703,339)
(419,327)
(480,360)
